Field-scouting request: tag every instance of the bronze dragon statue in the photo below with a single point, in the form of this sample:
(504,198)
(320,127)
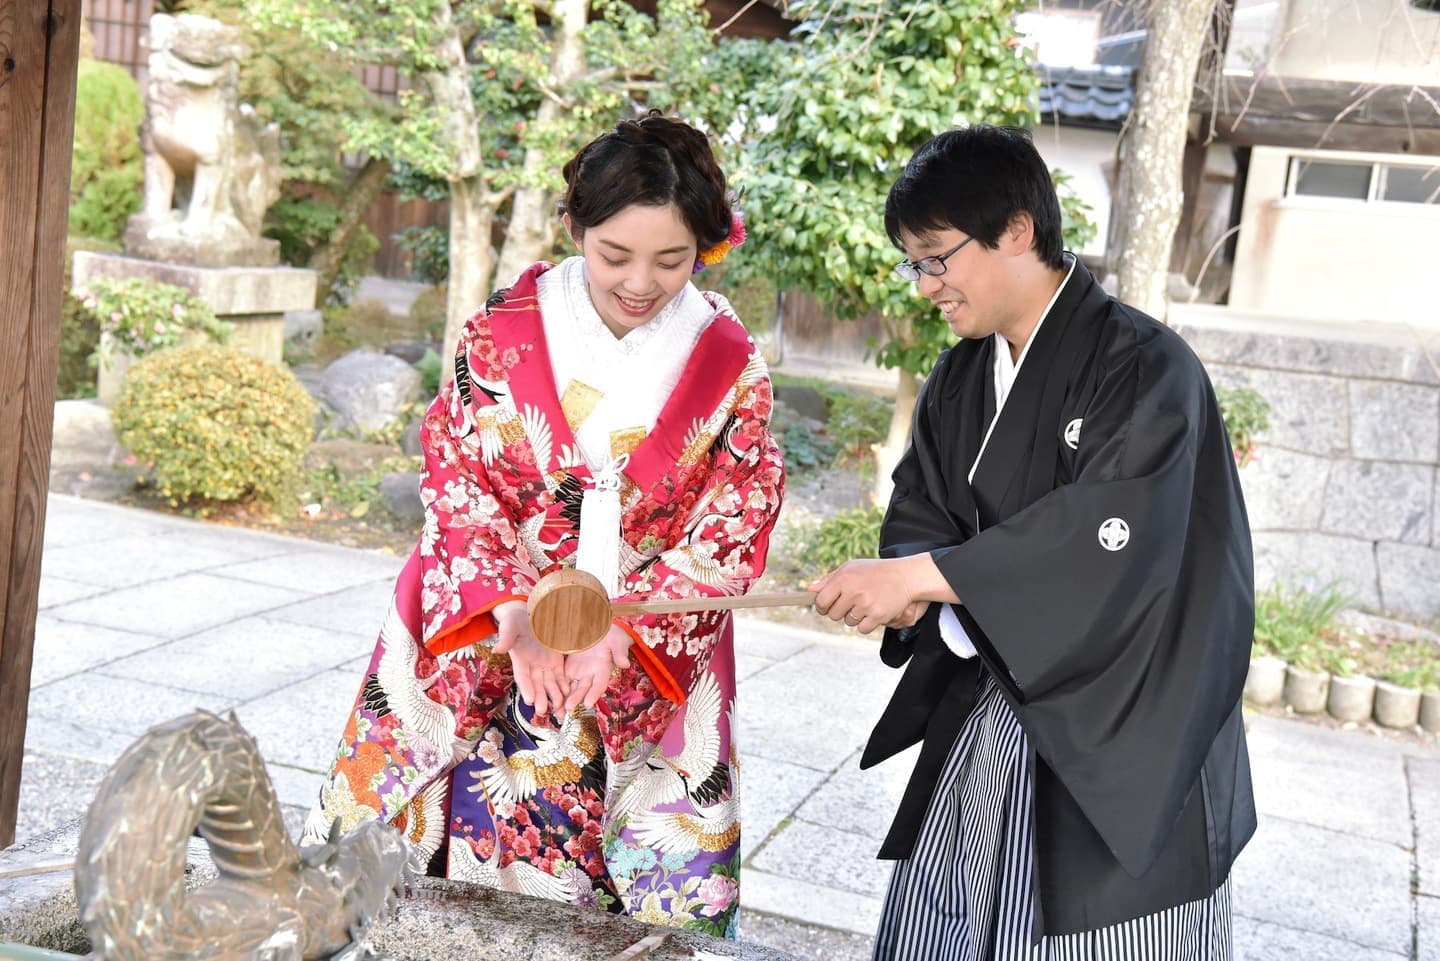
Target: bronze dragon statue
(271,902)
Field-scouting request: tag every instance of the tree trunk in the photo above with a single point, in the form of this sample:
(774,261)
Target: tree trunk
(472,205)
(1152,153)
(527,238)
(888,454)
(360,193)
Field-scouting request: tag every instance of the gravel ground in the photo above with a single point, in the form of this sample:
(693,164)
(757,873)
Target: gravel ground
(804,941)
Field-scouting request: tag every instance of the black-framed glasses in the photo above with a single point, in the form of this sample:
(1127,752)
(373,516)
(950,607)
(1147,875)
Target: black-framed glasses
(934,266)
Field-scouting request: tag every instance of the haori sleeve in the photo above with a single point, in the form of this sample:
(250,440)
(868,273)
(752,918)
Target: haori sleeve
(721,549)
(470,551)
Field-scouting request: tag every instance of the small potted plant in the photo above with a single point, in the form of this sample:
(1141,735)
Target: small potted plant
(1352,693)
(1397,690)
(1307,682)
(1293,624)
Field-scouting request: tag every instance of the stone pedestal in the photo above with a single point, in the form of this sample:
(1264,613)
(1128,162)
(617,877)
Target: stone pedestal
(162,239)
(254,299)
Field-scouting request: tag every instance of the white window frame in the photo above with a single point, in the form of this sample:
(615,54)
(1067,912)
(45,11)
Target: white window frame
(1379,165)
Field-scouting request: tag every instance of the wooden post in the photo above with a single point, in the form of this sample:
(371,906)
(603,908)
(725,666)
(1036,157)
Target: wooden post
(39,52)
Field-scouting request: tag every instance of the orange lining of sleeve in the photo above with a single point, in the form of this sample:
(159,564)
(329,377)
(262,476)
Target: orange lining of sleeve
(664,682)
(478,626)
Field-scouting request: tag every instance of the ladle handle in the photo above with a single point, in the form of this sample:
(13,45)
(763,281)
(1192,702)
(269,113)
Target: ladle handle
(681,604)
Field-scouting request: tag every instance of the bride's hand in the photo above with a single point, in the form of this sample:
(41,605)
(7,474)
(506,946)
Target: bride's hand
(589,672)
(539,671)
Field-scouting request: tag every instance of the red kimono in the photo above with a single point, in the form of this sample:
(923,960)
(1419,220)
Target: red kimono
(633,807)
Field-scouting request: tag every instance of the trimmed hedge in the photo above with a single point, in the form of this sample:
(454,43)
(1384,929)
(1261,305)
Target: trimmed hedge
(215,423)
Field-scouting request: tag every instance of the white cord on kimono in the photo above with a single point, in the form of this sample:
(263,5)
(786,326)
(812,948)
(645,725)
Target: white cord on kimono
(598,552)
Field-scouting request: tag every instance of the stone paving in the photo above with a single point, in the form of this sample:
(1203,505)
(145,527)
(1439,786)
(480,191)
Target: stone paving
(144,617)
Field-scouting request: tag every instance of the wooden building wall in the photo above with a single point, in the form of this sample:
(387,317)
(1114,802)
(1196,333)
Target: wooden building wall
(39,50)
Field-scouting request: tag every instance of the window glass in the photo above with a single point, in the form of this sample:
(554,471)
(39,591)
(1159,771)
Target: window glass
(1323,178)
(1416,185)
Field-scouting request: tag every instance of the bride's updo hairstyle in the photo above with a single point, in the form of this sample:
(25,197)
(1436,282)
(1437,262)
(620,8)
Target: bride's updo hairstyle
(652,161)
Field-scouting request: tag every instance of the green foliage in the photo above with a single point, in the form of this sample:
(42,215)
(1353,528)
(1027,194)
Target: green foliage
(805,449)
(313,94)
(1300,625)
(325,490)
(105,165)
(79,330)
(309,89)
(345,326)
(628,57)
(844,536)
(427,312)
(863,88)
(1247,416)
(858,419)
(751,295)
(1294,624)
(429,368)
(1411,663)
(429,249)
(215,424)
(304,224)
(141,316)
(1075,223)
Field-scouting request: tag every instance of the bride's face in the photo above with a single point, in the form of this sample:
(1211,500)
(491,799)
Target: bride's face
(636,262)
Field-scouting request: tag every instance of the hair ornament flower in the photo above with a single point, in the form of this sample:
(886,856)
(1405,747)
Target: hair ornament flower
(711,256)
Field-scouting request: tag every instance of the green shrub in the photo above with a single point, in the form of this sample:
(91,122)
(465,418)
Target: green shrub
(79,330)
(1076,227)
(1247,416)
(305,224)
(858,419)
(1411,663)
(429,368)
(141,316)
(105,165)
(842,537)
(215,424)
(805,449)
(427,312)
(751,295)
(1298,625)
(429,249)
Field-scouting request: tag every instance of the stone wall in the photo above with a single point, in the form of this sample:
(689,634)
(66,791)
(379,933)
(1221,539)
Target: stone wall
(1344,487)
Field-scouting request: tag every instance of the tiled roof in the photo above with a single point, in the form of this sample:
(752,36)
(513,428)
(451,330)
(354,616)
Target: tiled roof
(1102,94)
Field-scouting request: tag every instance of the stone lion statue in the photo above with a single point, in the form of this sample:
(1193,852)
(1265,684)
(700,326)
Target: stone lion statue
(211,168)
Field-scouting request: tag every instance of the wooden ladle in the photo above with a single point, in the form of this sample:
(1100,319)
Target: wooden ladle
(570,611)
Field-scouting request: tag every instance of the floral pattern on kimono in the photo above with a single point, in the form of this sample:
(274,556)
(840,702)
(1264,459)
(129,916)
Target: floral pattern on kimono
(633,806)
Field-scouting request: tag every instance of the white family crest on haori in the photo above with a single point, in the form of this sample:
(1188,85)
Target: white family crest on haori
(1114,533)
(1072,433)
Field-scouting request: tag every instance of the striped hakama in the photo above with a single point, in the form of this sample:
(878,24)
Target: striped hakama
(965,894)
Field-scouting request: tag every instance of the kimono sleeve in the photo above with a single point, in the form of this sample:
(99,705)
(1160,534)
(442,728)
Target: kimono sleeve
(916,520)
(1117,611)
(470,550)
(720,551)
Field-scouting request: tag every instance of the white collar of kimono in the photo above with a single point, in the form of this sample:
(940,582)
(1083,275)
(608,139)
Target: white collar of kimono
(635,374)
(1006,370)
